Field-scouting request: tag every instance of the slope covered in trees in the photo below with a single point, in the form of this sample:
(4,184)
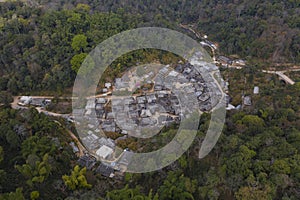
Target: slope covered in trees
(42,47)
(257,156)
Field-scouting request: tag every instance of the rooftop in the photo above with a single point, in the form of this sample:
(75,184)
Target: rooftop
(105,170)
(104,151)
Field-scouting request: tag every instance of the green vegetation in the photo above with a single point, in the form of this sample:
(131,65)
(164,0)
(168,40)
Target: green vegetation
(34,154)
(76,179)
(43,48)
(35,170)
(129,193)
(256,157)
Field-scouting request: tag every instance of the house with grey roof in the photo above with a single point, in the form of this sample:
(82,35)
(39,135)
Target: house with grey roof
(99,107)
(90,104)
(121,84)
(147,121)
(141,106)
(187,70)
(141,99)
(109,126)
(74,147)
(105,170)
(109,115)
(158,87)
(106,141)
(87,161)
(247,101)
(78,112)
(145,113)
(151,98)
(101,100)
(224,60)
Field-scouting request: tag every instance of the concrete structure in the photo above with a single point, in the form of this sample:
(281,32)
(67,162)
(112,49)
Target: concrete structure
(25,100)
(239,62)
(247,101)
(285,78)
(230,107)
(105,170)
(281,75)
(256,90)
(104,152)
(107,85)
(74,147)
(87,161)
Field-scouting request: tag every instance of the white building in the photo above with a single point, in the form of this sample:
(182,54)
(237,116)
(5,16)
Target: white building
(25,100)
(256,90)
(230,107)
(107,85)
(104,152)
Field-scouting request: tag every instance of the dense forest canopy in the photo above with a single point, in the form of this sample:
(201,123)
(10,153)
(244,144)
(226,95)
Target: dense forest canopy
(37,51)
(44,42)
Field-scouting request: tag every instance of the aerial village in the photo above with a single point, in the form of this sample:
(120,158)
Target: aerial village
(139,104)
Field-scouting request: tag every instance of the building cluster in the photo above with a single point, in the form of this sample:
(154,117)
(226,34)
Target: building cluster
(91,163)
(36,101)
(228,62)
(173,94)
(112,169)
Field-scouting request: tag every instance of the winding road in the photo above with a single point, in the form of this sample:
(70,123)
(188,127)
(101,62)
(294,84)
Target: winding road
(282,75)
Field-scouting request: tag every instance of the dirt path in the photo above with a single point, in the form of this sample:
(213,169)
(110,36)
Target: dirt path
(81,148)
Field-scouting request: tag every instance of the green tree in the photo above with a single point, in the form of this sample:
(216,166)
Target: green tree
(83,7)
(17,195)
(254,123)
(281,167)
(34,195)
(13,139)
(77,179)
(36,145)
(5,98)
(36,171)
(254,193)
(1,154)
(130,193)
(79,42)
(177,186)
(240,162)
(77,60)
(2,172)
(12,86)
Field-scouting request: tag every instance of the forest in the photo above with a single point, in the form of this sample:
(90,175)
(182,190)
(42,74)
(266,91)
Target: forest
(44,42)
(43,46)
(257,157)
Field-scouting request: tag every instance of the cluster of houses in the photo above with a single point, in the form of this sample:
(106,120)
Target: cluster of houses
(36,101)
(174,92)
(246,100)
(198,88)
(91,163)
(227,62)
(113,169)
